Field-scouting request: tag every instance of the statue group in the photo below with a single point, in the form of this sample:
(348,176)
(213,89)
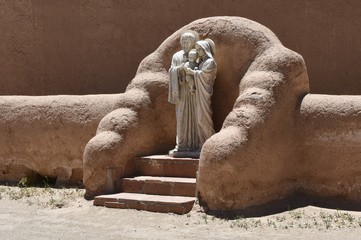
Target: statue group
(191,77)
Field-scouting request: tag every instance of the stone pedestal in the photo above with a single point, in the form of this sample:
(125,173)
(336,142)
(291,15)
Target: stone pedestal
(184,153)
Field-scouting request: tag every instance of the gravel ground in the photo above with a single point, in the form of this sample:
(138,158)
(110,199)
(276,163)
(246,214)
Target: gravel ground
(48,213)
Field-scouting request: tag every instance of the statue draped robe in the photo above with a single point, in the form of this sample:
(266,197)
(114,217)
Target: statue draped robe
(179,94)
(193,111)
(204,80)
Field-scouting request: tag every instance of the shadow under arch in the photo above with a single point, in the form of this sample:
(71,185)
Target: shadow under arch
(293,202)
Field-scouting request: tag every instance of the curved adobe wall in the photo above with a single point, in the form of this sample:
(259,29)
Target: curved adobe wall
(47,135)
(330,138)
(271,79)
(95,46)
(273,137)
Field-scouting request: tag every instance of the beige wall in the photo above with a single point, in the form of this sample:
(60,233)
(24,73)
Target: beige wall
(330,138)
(46,135)
(95,46)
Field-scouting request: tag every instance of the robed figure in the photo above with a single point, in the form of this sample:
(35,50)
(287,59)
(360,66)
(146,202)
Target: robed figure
(192,103)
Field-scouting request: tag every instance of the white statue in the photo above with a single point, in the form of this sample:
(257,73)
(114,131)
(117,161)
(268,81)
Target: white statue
(190,89)
(192,64)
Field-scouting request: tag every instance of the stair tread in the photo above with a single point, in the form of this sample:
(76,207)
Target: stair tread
(160,199)
(166,158)
(162,184)
(162,179)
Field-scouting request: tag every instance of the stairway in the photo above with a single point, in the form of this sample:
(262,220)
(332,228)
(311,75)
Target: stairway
(161,184)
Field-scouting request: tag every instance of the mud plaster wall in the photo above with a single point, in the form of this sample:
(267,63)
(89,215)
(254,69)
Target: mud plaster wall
(46,135)
(329,133)
(95,46)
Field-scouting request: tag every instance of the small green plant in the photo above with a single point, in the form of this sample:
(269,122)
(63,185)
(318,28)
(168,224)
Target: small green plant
(46,182)
(314,221)
(296,215)
(326,219)
(280,218)
(243,224)
(23,182)
(271,223)
(257,223)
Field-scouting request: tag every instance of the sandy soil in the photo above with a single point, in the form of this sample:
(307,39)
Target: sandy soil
(48,213)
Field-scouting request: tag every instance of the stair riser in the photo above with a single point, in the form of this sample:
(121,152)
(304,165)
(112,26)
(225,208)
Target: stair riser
(160,188)
(178,209)
(166,169)
(161,184)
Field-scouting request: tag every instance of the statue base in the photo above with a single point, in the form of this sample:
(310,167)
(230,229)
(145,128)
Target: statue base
(184,153)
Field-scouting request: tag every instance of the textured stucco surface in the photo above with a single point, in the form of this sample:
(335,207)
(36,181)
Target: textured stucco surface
(330,139)
(46,135)
(273,138)
(271,80)
(95,46)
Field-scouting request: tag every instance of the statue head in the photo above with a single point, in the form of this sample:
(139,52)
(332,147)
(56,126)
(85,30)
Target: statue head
(188,39)
(205,48)
(192,55)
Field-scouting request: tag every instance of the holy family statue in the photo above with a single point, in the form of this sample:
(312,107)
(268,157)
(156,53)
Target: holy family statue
(191,77)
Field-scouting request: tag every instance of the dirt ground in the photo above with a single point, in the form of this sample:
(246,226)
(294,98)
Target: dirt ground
(48,213)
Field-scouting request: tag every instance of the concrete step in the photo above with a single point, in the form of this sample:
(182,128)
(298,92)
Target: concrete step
(161,184)
(153,203)
(172,186)
(165,166)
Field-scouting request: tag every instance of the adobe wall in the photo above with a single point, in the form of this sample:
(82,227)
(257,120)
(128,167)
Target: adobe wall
(330,138)
(266,155)
(95,46)
(46,135)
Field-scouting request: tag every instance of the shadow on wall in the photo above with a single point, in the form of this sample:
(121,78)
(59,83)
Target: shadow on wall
(229,56)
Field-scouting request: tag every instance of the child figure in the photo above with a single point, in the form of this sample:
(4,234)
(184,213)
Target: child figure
(192,64)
